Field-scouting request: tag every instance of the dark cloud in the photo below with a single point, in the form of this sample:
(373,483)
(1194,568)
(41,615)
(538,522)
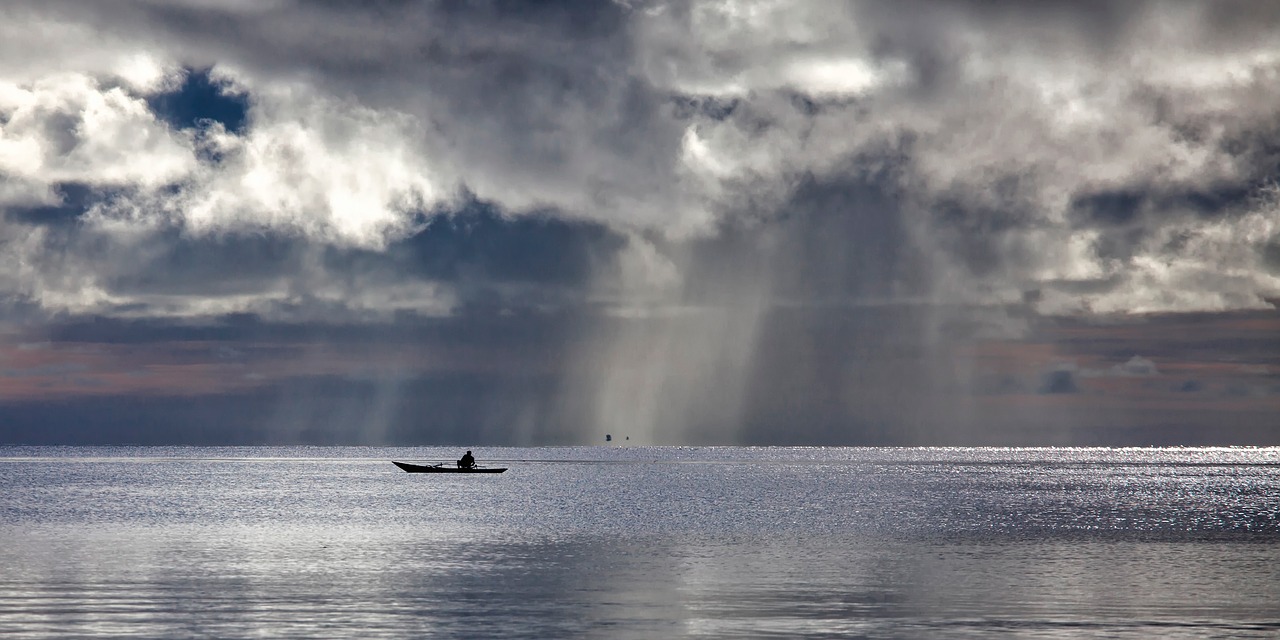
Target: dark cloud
(55,370)
(1060,381)
(1111,207)
(73,200)
(689,106)
(235,263)
(476,253)
(546,332)
(479,243)
(1271,256)
(1127,207)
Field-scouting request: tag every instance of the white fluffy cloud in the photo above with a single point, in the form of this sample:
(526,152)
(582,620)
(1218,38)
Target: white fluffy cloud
(68,128)
(314,165)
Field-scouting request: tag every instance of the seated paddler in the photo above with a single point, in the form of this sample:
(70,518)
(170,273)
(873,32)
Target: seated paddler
(467,462)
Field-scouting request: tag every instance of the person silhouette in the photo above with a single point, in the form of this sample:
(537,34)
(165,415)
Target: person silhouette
(467,462)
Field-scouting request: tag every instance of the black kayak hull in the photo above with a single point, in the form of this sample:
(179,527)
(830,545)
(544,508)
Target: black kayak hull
(440,468)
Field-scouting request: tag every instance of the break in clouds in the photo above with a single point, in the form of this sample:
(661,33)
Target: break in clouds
(695,186)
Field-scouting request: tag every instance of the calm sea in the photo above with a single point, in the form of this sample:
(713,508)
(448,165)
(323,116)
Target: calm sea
(640,543)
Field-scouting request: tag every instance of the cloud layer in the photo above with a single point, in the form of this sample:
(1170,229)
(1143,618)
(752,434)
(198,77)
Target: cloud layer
(701,191)
(1082,156)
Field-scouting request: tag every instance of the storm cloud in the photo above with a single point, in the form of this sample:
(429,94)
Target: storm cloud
(745,220)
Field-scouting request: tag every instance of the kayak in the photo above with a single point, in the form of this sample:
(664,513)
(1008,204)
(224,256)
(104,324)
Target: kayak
(441,468)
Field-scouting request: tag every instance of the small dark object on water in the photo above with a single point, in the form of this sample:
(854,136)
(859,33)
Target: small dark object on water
(440,468)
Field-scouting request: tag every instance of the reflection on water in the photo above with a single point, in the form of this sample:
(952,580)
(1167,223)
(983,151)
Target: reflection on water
(641,543)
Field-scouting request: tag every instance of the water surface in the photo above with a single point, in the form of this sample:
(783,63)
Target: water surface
(640,542)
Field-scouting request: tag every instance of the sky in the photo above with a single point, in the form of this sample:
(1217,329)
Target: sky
(713,223)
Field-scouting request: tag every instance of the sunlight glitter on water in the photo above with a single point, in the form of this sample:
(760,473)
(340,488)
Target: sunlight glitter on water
(595,542)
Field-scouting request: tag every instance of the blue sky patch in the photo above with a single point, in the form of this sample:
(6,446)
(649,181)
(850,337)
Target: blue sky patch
(200,100)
